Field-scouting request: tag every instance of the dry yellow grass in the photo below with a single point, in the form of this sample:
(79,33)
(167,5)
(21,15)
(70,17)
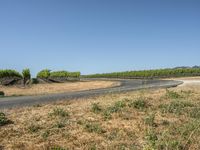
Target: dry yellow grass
(76,125)
(38,89)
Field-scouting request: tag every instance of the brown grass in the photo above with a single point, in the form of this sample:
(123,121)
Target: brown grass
(48,126)
(39,89)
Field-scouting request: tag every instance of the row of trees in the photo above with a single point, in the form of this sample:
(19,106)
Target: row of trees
(157,73)
(7,76)
(57,74)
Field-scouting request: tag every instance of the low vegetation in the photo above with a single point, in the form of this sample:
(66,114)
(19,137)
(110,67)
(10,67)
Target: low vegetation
(3,119)
(158,73)
(10,77)
(147,120)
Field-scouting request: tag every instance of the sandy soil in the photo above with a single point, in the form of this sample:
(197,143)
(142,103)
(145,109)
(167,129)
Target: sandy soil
(39,89)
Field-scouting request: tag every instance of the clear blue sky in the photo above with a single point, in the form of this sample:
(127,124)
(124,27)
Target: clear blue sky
(96,36)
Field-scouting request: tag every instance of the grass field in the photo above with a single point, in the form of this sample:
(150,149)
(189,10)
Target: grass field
(38,89)
(165,119)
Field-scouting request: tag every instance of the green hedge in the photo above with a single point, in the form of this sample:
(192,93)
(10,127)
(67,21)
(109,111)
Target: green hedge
(9,73)
(158,73)
(59,74)
(74,74)
(43,74)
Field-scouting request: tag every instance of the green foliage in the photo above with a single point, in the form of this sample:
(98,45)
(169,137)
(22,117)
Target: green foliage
(34,81)
(59,74)
(116,107)
(176,107)
(74,74)
(157,73)
(26,74)
(94,127)
(9,73)
(57,148)
(96,108)
(60,124)
(150,120)
(44,74)
(3,119)
(33,128)
(59,112)
(172,94)
(138,104)
(195,113)
(2,94)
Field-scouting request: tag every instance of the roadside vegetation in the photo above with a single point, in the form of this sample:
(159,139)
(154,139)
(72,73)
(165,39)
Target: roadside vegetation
(148,120)
(158,73)
(12,77)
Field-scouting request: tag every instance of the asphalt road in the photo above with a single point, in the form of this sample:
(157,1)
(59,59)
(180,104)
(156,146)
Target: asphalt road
(126,85)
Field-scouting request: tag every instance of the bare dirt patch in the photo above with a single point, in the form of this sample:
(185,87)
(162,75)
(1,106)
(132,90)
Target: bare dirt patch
(39,89)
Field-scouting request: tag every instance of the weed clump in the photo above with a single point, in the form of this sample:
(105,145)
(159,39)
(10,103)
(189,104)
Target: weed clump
(176,107)
(96,108)
(138,104)
(59,112)
(94,128)
(2,94)
(172,94)
(3,119)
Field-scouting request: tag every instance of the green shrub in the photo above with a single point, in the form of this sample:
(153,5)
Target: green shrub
(34,128)
(9,73)
(26,74)
(44,74)
(59,74)
(59,112)
(2,94)
(150,120)
(34,81)
(176,107)
(94,127)
(3,119)
(96,108)
(138,104)
(172,94)
(116,107)
(74,74)
(157,73)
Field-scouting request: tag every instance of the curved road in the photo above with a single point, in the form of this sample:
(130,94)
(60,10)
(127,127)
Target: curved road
(126,85)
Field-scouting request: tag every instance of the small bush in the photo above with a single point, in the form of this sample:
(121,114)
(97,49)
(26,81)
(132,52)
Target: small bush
(34,81)
(34,128)
(195,113)
(60,124)
(44,74)
(2,94)
(59,112)
(96,108)
(57,148)
(151,138)
(26,74)
(176,107)
(149,120)
(138,104)
(172,94)
(9,73)
(59,74)
(116,107)
(3,119)
(94,127)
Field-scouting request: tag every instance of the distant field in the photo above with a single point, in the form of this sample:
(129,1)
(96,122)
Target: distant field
(146,119)
(38,89)
(157,73)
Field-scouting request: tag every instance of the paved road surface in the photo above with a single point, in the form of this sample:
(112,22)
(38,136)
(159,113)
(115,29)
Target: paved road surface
(126,85)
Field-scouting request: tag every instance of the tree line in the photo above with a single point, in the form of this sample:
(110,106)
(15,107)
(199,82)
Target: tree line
(156,73)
